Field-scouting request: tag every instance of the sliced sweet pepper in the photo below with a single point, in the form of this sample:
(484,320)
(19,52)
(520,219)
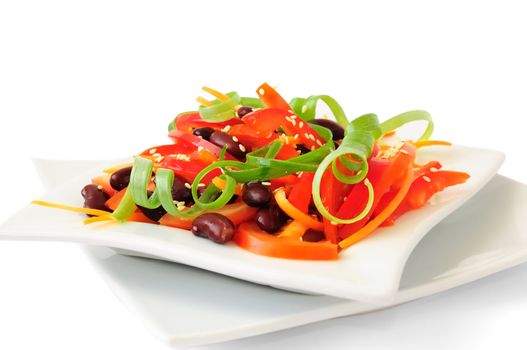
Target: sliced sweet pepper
(250,237)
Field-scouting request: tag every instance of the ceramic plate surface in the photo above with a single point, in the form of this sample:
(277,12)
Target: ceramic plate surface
(369,271)
(180,304)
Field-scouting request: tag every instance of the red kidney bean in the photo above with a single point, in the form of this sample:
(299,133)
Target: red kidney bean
(270,219)
(312,235)
(336,129)
(243,110)
(120,179)
(94,198)
(234,148)
(204,132)
(216,227)
(256,195)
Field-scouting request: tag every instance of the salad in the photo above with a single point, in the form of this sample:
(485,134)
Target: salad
(272,177)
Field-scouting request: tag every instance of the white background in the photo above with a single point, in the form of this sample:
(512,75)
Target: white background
(101,79)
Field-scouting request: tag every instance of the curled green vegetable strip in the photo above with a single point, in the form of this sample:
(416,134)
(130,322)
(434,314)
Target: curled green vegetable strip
(226,193)
(408,117)
(126,207)
(164,181)
(358,142)
(253,102)
(306,108)
(221,110)
(139,180)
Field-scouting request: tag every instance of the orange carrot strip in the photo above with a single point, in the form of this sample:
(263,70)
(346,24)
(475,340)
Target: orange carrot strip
(425,143)
(215,93)
(367,229)
(294,213)
(89,211)
(204,101)
(221,184)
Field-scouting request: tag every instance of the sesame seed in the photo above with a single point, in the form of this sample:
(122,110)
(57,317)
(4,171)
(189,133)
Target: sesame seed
(181,208)
(201,185)
(301,124)
(293,117)
(159,159)
(319,143)
(153,150)
(187,185)
(292,121)
(200,148)
(261,92)
(226,128)
(306,135)
(426,178)
(266,183)
(312,148)
(291,111)
(242,148)
(434,170)
(304,109)
(312,137)
(99,187)
(175,202)
(295,137)
(300,173)
(334,223)
(181,204)
(156,155)
(235,139)
(404,151)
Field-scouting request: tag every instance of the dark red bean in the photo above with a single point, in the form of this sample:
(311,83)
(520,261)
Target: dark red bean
(94,198)
(336,129)
(181,193)
(303,149)
(256,195)
(120,179)
(242,111)
(312,235)
(216,227)
(234,148)
(270,219)
(204,133)
(153,214)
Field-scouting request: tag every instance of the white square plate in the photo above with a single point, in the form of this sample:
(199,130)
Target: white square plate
(181,305)
(369,271)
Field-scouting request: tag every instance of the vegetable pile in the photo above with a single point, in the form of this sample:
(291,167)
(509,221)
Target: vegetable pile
(271,177)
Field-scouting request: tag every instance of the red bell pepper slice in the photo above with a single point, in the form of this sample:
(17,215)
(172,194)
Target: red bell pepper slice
(300,195)
(267,120)
(250,237)
(332,193)
(272,99)
(383,172)
(187,143)
(238,213)
(424,187)
(190,121)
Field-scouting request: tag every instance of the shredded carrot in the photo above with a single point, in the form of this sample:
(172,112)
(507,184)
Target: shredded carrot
(367,229)
(389,134)
(294,213)
(293,230)
(113,169)
(99,219)
(89,211)
(425,143)
(215,93)
(221,184)
(204,101)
